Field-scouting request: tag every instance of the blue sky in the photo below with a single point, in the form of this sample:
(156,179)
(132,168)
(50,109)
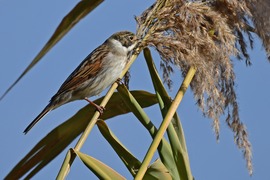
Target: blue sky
(25,28)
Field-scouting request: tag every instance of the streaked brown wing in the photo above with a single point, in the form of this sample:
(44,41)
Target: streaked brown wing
(89,68)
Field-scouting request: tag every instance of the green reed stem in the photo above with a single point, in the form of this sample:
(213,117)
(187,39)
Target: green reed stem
(165,123)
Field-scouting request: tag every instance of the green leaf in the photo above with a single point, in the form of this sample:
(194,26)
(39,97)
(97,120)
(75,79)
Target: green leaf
(131,162)
(174,131)
(164,148)
(60,137)
(101,170)
(157,171)
(163,97)
(83,8)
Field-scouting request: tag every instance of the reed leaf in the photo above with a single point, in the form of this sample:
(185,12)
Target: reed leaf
(101,170)
(129,160)
(164,148)
(60,137)
(157,170)
(83,8)
(175,131)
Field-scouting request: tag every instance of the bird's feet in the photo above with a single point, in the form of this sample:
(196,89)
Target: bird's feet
(119,81)
(100,109)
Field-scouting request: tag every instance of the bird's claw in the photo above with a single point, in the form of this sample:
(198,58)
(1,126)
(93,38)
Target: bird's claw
(100,109)
(119,81)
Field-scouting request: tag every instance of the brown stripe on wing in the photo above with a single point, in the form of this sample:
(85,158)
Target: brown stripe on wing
(89,68)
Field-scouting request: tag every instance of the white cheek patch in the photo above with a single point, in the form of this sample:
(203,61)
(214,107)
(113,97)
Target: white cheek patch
(120,46)
(131,47)
(116,43)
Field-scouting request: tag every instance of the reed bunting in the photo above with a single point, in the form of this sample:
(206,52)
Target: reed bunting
(100,69)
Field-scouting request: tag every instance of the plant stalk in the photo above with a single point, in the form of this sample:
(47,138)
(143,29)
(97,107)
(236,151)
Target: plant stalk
(165,123)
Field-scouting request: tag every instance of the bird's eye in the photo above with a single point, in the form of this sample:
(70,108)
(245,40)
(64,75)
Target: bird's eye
(131,38)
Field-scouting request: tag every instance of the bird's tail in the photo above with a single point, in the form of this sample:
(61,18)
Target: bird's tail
(38,118)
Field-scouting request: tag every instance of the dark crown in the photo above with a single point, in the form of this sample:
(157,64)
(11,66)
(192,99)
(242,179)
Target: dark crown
(126,38)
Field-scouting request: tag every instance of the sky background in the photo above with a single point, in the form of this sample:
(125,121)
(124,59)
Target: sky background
(25,28)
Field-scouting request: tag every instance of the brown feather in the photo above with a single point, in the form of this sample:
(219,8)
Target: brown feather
(87,69)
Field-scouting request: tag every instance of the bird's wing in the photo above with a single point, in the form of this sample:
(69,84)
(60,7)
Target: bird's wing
(89,68)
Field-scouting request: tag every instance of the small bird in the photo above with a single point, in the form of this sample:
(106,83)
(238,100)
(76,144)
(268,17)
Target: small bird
(100,69)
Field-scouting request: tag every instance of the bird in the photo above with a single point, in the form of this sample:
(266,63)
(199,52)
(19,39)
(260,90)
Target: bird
(100,69)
